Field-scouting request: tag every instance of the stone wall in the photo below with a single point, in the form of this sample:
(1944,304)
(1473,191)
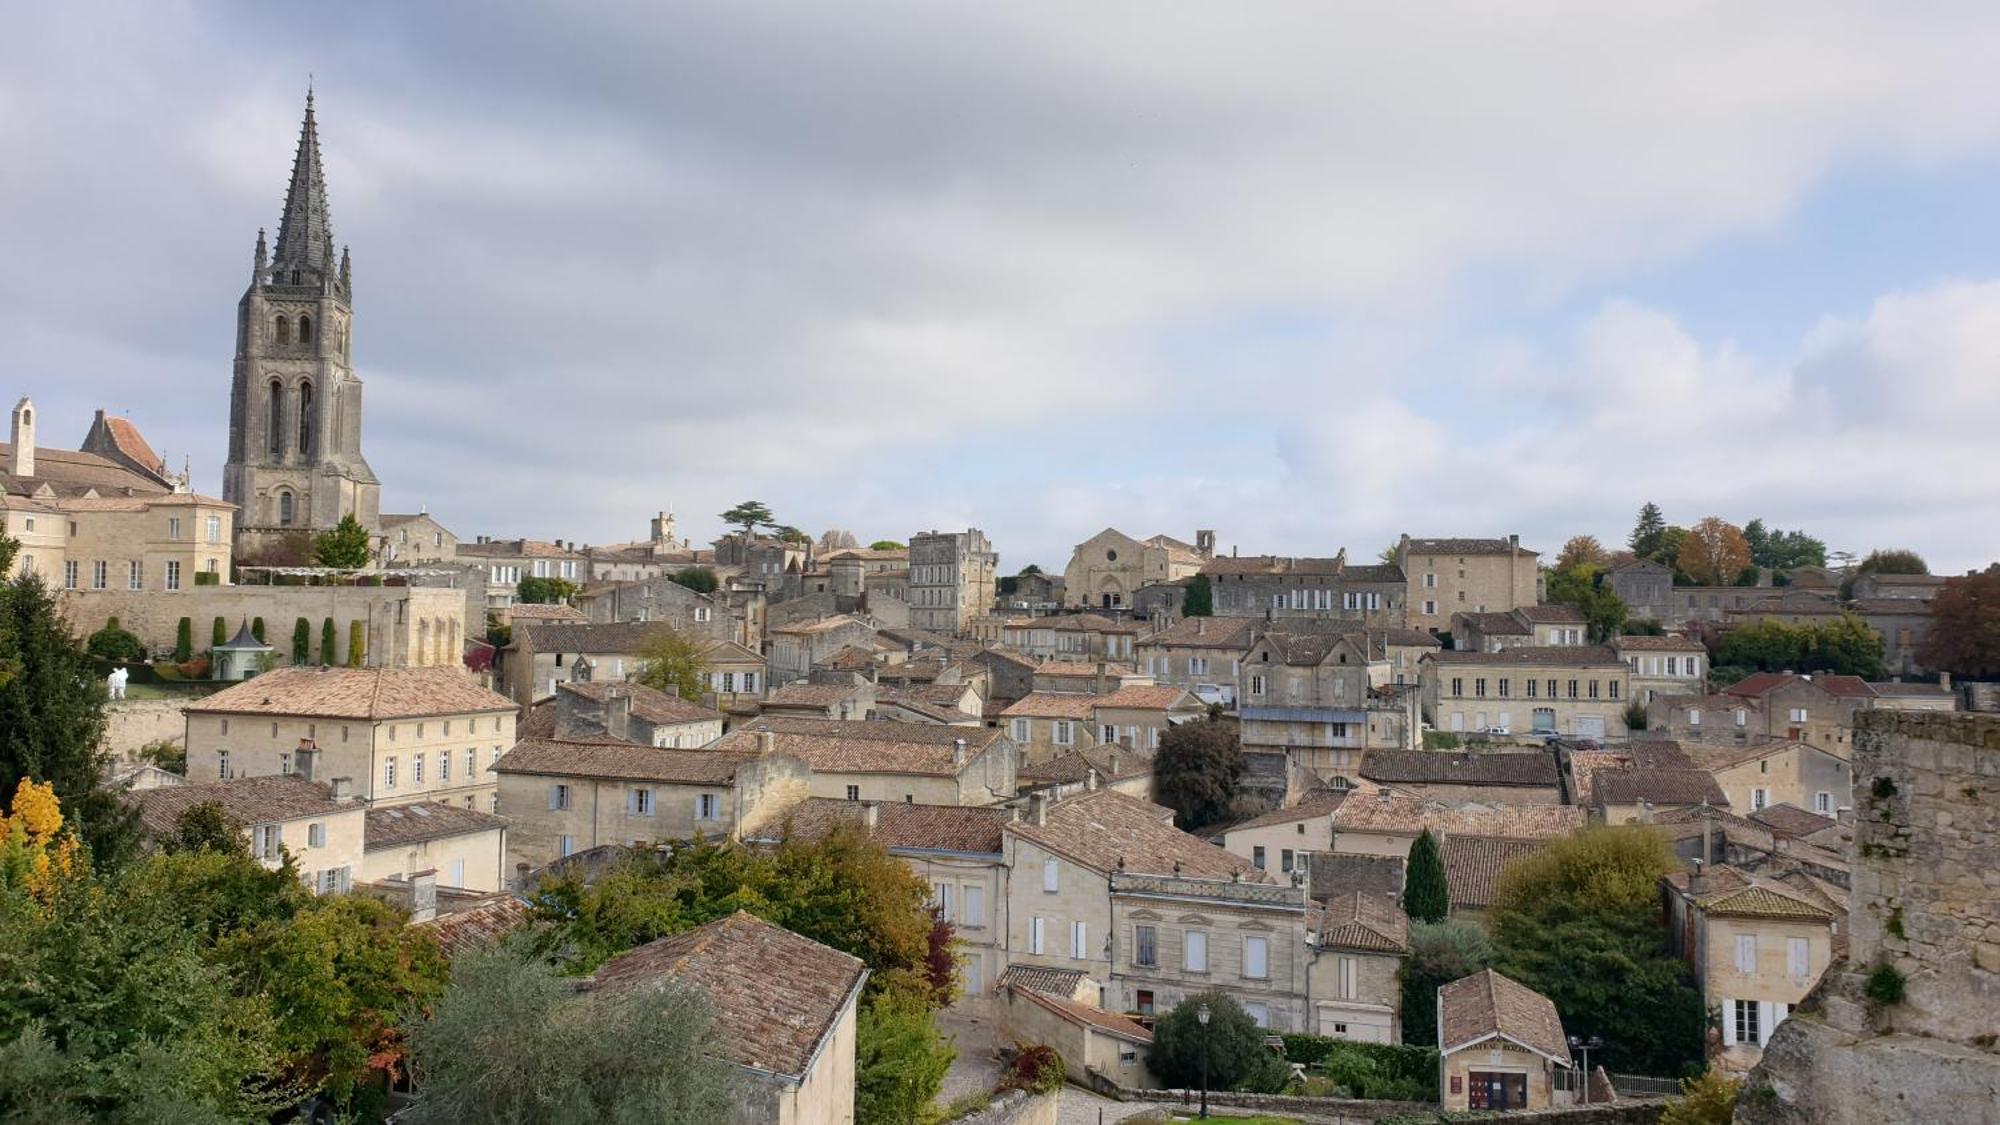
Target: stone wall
(404,626)
(132,724)
(1016,1107)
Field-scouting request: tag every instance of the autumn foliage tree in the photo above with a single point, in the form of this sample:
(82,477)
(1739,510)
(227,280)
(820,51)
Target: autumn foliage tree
(1964,637)
(1714,552)
(1581,550)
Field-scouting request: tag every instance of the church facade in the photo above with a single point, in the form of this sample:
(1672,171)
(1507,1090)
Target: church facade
(295,462)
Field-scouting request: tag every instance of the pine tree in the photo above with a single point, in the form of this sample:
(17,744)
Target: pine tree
(1647,532)
(345,546)
(1425,896)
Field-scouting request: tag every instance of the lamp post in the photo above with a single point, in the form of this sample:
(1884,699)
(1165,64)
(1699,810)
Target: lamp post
(1579,1043)
(1201,1014)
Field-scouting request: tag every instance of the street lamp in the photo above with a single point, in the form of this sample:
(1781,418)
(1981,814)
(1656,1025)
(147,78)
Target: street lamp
(1579,1043)
(1201,1014)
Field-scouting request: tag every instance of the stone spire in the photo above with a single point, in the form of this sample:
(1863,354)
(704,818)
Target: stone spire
(305,235)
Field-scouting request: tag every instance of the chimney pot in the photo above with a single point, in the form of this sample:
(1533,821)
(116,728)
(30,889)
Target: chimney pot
(1090,778)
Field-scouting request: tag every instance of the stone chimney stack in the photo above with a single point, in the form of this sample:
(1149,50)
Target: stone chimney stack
(1102,670)
(23,437)
(871,815)
(1697,880)
(423,895)
(1038,808)
(958,753)
(343,788)
(1090,779)
(306,759)
(766,742)
(618,714)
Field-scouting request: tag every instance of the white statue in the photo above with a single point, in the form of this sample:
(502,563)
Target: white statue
(116,681)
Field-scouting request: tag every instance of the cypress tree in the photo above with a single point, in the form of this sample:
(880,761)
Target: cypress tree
(327,636)
(302,632)
(357,643)
(1200,599)
(257,628)
(219,635)
(1425,896)
(184,641)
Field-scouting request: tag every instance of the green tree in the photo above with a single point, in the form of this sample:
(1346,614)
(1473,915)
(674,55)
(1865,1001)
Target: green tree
(1648,531)
(207,827)
(115,644)
(328,639)
(1636,717)
(1425,896)
(1440,952)
(512,1041)
(1581,550)
(789,534)
(747,517)
(183,641)
(1889,560)
(1845,647)
(546,591)
(673,662)
(1232,1043)
(1196,770)
(1778,549)
(1200,599)
(345,545)
(257,629)
(301,641)
(899,1061)
(1964,637)
(357,643)
(52,715)
(218,633)
(1708,1100)
(887,545)
(1584,588)
(700,579)
(1581,922)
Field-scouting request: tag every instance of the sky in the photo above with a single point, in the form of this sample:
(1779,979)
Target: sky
(1311,275)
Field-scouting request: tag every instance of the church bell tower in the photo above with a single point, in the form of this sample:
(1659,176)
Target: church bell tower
(295,459)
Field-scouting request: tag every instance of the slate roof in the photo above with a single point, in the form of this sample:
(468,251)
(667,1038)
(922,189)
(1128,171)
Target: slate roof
(1472,866)
(951,828)
(394,826)
(1332,874)
(1487,1003)
(1101,827)
(624,761)
(1567,656)
(266,799)
(1533,769)
(1660,787)
(865,746)
(1370,923)
(774,996)
(355,693)
(1493,624)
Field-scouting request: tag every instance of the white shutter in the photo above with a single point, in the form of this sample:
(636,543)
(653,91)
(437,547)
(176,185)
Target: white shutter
(1746,953)
(1256,957)
(973,906)
(1050,877)
(1728,1023)
(1797,957)
(631,802)
(553,790)
(1037,929)
(1196,952)
(1766,1020)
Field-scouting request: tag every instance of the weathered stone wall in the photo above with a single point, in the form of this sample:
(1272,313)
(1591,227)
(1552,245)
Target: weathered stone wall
(134,723)
(1016,1107)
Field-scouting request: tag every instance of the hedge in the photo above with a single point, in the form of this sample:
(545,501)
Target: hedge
(1397,1072)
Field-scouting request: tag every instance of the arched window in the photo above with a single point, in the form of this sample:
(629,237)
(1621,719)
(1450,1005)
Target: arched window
(305,329)
(284,327)
(276,432)
(295,277)
(285,512)
(306,409)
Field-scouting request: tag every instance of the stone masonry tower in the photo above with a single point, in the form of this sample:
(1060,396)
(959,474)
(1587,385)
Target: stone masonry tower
(295,459)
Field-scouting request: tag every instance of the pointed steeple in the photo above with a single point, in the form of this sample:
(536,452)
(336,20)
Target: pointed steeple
(305,235)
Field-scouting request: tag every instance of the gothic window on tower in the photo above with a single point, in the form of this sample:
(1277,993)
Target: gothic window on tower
(277,428)
(305,329)
(285,512)
(305,406)
(284,329)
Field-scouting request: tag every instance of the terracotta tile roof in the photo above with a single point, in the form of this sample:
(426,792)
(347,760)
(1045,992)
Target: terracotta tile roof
(729,652)
(1333,874)
(267,799)
(1465,547)
(356,693)
(622,638)
(1763,683)
(1101,828)
(538,720)
(1567,656)
(774,996)
(1792,820)
(823,625)
(649,704)
(863,746)
(70,473)
(1136,697)
(1731,893)
(1657,644)
(1487,1003)
(849,658)
(950,828)
(394,826)
(1053,705)
(132,443)
(1472,866)
(1111,763)
(1550,614)
(1407,638)
(478,927)
(1911,691)
(813,695)
(1228,633)
(1318,802)
(1097,1019)
(139,503)
(1660,787)
(1492,624)
(1112,669)
(1533,769)
(1402,815)
(623,761)
(1658,754)
(1371,923)
(1042,979)
(564,614)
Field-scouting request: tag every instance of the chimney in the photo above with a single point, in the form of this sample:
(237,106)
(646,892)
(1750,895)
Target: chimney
(958,753)
(1698,879)
(1514,541)
(521,878)
(1200,626)
(1114,761)
(23,437)
(1645,811)
(1102,668)
(618,714)
(306,759)
(1385,796)
(870,815)
(343,789)
(1090,778)
(423,895)
(1038,808)
(766,742)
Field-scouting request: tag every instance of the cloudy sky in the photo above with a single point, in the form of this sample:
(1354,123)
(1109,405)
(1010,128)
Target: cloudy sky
(1308,274)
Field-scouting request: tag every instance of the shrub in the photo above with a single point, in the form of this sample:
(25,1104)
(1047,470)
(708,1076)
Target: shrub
(1441,740)
(257,629)
(218,634)
(328,655)
(357,643)
(207,578)
(1708,1100)
(1232,1043)
(1390,1071)
(1886,986)
(114,644)
(1036,1069)
(302,632)
(183,641)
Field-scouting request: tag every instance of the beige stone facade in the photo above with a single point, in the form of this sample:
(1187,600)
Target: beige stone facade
(1107,570)
(1448,576)
(404,626)
(1579,692)
(1757,948)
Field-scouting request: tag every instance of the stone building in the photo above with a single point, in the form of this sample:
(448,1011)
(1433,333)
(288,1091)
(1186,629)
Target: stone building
(1669,665)
(1923,927)
(1501,1044)
(280,814)
(543,656)
(1352,970)
(952,577)
(295,460)
(1544,625)
(1757,947)
(795,648)
(1497,777)
(1447,576)
(1777,771)
(1279,590)
(415,540)
(915,763)
(465,848)
(1107,570)
(1305,697)
(1579,691)
(1202,654)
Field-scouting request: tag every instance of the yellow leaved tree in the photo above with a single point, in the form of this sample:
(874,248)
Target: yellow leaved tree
(35,853)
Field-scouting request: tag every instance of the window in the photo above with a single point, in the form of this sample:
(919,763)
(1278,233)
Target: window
(1759,798)
(1259,1014)
(854,792)
(1798,714)
(1613,689)
(416,769)
(444,765)
(1065,732)
(1430,582)
(457,873)
(1079,940)
(1256,685)
(173,527)
(1798,958)
(1746,953)
(1145,946)
(315,835)
(1823,803)
(1037,934)
(1504,686)
(1593,689)
(639,802)
(559,797)
(100,574)
(1285,859)
(285,512)
(285,763)
(1256,958)
(1020,730)
(972,906)
(1742,716)
(1479,687)
(1142,1002)
(388,773)
(69,575)
(1348,979)
(269,838)
(1457,688)
(1745,1023)
(1198,665)
(1110,734)
(707,807)
(1694,716)
(222,764)
(1194,952)
(471,760)
(1532,685)
(1051,876)
(1257,857)
(173,574)
(1430,609)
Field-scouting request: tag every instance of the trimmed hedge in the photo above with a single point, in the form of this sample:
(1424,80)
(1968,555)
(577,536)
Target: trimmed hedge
(328,637)
(357,643)
(1389,1071)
